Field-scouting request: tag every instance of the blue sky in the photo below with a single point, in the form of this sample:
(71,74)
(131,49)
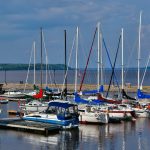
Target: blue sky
(21,21)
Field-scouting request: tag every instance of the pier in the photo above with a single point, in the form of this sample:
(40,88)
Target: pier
(28,126)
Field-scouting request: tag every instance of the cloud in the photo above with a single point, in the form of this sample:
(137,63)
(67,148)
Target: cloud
(21,20)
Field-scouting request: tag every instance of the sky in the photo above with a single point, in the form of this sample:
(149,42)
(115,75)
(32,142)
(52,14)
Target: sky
(20,22)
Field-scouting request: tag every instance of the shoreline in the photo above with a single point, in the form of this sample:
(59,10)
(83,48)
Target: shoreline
(70,87)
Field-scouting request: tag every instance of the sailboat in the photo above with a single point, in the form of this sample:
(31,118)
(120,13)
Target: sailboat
(142,99)
(35,104)
(141,96)
(36,88)
(88,109)
(125,98)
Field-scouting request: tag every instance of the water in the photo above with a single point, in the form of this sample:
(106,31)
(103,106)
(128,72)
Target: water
(130,76)
(121,136)
(124,136)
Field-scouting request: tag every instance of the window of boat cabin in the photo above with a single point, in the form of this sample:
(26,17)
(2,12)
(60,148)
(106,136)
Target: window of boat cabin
(73,109)
(61,110)
(52,110)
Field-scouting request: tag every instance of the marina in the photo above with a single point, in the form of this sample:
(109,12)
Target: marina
(75,75)
(104,122)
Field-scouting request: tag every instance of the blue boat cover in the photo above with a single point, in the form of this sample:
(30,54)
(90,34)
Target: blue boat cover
(101,89)
(77,99)
(141,95)
(60,104)
(90,102)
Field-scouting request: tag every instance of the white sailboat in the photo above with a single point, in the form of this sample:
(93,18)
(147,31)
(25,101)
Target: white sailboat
(88,113)
(141,97)
(140,110)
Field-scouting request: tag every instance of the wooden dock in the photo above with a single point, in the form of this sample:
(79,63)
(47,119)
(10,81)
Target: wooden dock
(28,126)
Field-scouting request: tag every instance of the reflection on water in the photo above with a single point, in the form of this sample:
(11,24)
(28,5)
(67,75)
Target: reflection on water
(123,136)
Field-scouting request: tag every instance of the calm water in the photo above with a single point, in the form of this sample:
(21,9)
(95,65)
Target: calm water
(123,136)
(57,77)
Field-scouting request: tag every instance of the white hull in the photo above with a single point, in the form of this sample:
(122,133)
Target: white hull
(35,108)
(141,113)
(90,117)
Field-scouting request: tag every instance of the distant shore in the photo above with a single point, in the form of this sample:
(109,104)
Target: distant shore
(70,87)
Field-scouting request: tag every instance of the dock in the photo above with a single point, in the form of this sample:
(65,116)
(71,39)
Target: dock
(28,126)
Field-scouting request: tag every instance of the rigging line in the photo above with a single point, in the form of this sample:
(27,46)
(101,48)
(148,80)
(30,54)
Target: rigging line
(67,66)
(145,71)
(110,62)
(29,67)
(83,46)
(113,69)
(87,61)
(84,55)
(130,58)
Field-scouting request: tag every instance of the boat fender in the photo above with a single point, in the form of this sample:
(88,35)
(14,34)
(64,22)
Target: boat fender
(93,109)
(96,115)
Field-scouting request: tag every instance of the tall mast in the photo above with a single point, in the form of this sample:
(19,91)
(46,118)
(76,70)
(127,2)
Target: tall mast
(122,59)
(98,56)
(34,60)
(101,54)
(45,55)
(41,55)
(139,50)
(76,69)
(65,63)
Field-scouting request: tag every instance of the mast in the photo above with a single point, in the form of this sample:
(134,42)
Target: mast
(122,59)
(101,54)
(41,55)
(46,57)
(139,50)
(98,56)
(76,67)
(46,70)
(65,35)
(34,60)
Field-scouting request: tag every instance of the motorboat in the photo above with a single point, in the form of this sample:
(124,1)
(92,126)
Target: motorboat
(61,113)
(33,106)
(13,93)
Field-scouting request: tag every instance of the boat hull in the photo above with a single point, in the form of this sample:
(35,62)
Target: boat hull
(89,117)
(65,124)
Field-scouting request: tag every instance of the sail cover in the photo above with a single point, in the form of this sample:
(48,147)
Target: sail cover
(38,95)
(90,92)
(142,95)
(78,99)
(124,95)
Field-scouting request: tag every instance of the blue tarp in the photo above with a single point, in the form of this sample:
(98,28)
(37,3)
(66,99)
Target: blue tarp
(60,104)
(141,95)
